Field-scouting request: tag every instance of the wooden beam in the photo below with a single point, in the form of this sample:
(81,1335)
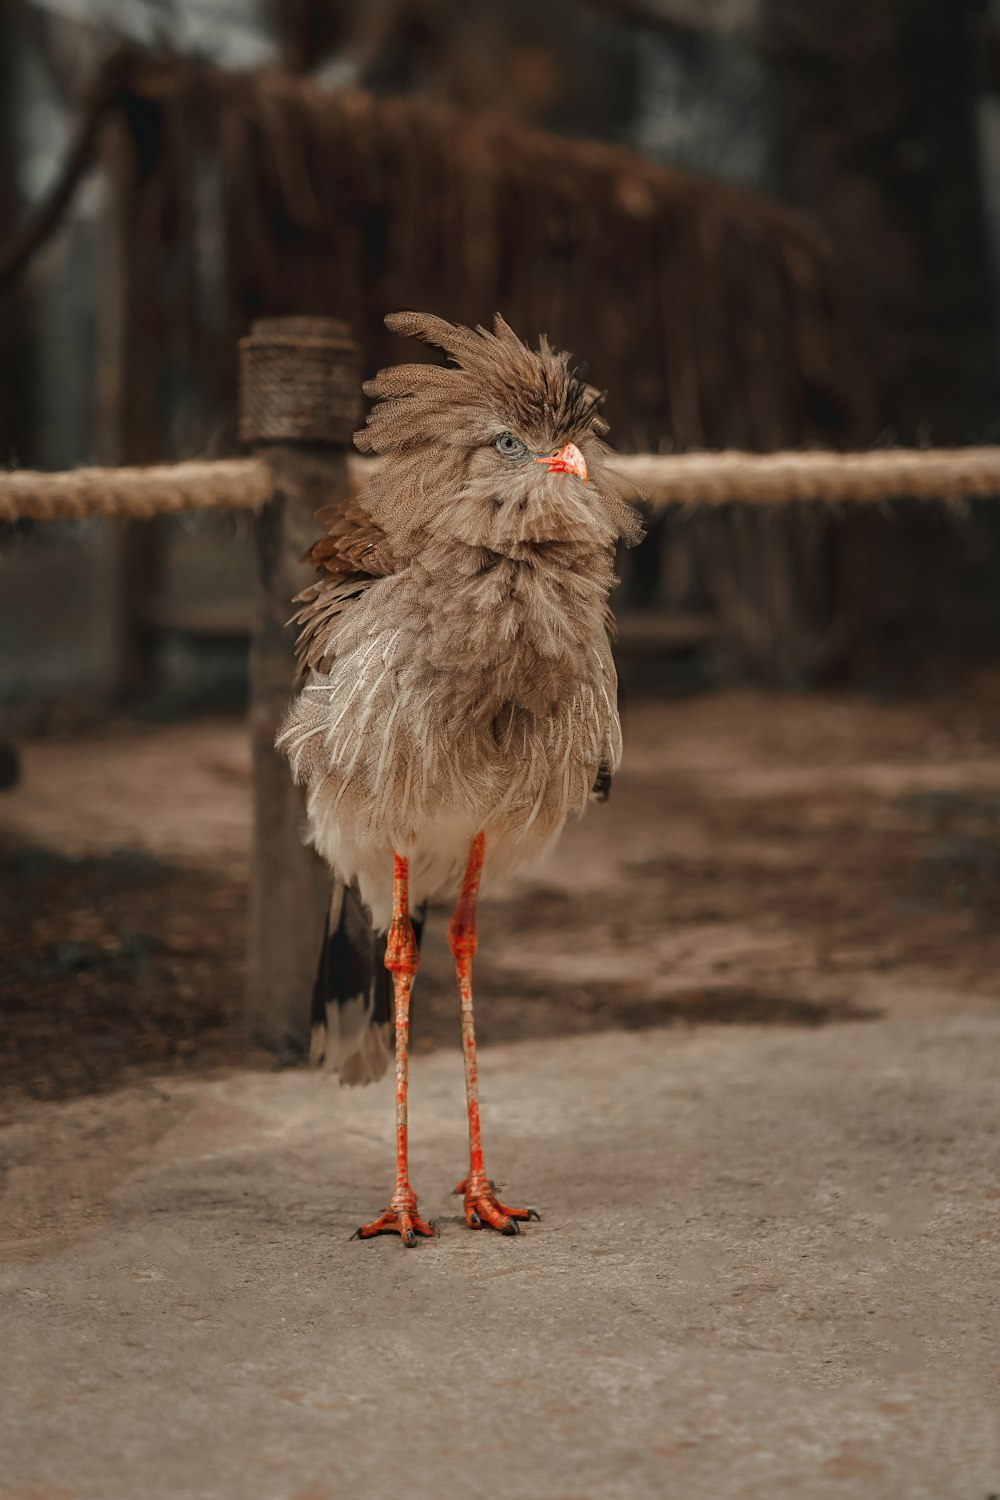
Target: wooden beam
(300,387)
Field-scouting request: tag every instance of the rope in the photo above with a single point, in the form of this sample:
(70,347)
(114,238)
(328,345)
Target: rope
(943,474)
(688,479)
(139,494)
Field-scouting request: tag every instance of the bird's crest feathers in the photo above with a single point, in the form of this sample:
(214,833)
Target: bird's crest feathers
(492,375)
(437,428)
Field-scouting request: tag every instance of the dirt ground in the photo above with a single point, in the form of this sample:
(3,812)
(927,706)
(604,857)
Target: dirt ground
(764,859)
(740,1044)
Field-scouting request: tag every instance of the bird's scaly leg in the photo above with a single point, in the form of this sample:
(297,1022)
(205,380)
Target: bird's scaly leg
(481,1203)
(401,958)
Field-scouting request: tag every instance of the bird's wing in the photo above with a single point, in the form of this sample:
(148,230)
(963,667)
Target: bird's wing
(352,555)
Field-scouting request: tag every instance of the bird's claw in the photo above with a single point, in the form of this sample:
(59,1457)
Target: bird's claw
(399,1218)
(482,1206)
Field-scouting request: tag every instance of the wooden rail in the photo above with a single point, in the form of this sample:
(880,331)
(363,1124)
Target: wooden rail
(300,401)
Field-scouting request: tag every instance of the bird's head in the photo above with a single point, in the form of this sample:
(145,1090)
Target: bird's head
(502,448)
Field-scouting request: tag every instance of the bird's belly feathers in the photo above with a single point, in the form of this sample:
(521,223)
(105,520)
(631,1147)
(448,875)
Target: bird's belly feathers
(399,748)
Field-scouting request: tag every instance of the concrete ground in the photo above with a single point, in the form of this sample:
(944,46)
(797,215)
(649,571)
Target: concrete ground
(768,1267)
(769,1260)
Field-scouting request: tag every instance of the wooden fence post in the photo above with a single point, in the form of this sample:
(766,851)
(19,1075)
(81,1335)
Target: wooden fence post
(300,391)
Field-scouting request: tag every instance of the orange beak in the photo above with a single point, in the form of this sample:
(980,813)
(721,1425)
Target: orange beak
(566,460)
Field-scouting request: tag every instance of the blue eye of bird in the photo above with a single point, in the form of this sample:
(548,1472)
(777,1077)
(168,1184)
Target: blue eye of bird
(509,445)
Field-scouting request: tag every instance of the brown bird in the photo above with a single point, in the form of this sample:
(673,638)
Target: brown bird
(459,698)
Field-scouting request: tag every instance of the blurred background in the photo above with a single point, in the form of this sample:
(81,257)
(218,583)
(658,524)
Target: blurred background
(815,265)
(760,224)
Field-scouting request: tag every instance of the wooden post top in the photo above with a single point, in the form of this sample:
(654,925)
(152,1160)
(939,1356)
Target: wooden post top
(300,382)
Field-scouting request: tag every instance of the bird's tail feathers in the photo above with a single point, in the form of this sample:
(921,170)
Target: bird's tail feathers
(352,1005)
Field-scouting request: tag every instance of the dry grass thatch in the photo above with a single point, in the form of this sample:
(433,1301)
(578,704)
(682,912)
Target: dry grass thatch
(710,313)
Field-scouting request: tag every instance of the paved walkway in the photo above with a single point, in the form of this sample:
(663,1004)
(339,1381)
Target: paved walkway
(768,1267)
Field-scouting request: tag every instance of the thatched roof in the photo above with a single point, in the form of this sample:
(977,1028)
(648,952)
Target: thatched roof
(710,313)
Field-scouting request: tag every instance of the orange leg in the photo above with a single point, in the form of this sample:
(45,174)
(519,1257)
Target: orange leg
(481,1203)
(401,958)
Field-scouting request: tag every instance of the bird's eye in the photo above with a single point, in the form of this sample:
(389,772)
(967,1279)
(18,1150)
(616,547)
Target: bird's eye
(510,446)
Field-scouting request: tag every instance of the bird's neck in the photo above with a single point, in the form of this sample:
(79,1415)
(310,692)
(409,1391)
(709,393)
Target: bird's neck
(528,624)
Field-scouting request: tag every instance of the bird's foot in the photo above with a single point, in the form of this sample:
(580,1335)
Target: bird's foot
(400,1218)
(482,1206)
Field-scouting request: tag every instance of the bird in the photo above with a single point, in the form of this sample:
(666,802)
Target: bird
(457,697)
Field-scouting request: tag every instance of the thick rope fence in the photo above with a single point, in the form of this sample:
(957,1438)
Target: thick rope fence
(881,477)
(135,494)
(946,475)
